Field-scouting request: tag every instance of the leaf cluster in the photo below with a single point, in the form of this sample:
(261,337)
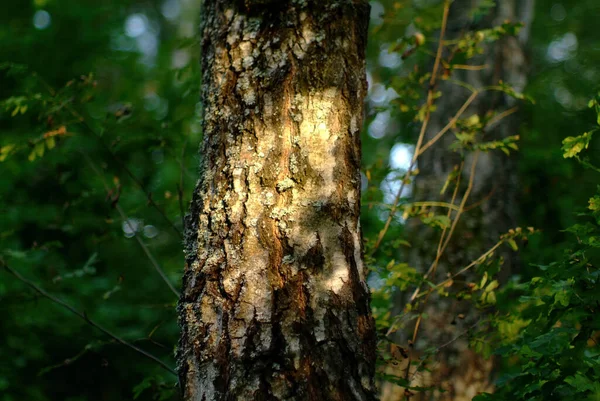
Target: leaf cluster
(556,353)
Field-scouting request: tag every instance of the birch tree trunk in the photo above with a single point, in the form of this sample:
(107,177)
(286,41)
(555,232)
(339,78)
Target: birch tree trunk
(275,304)
(458,370)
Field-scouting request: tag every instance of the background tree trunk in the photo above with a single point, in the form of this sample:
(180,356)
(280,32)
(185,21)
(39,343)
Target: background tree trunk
(456,368)
(275,305)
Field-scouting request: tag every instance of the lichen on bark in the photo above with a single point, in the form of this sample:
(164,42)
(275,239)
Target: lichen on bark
(275,304)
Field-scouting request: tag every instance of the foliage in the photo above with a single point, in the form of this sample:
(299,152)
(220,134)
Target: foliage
(97,159)
(562,82)
(556,354)
(416,102)
(96,170)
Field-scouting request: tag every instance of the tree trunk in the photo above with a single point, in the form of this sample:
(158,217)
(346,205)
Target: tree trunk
(455,368)
(275,305)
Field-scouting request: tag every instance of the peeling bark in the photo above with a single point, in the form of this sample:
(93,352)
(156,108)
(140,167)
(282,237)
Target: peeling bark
(275,304)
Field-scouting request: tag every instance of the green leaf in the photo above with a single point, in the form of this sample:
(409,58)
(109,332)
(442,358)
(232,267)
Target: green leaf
(139,389)
(580,382)
(108,294)
(440,221)
(562,297)
(573,145)
(16,254)
(594,203)
(5,151)
(527,352)
(489,298)
(482,9)
(50,142)
(39,149)
(492,286)
(483,280)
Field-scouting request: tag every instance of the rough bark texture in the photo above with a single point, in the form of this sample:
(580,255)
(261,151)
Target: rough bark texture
(457,369)
(275,305)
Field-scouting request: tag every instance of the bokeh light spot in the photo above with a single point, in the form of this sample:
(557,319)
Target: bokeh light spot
(41,19)
(136,25)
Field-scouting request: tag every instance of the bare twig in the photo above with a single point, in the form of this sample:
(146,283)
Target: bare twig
(83,316)
(124,217)
(450,124)
(482,200)
(439,253)
(470,67)
(463,201)
(428,105)
(501,116)
(447,239)
(470,265)
(127,171)
(432,269)
(438,349)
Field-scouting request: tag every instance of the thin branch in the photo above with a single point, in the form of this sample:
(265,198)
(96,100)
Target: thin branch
(432,269)
(463,201)
(470,265)
(432,81)
(462,84)
(441,251)
(83,316)
(445,205)
(482,200)
(470,67)
(124,217)
(446,241)
(393,210)
(501,116)
(428,105)
(464,269)
(435,204)
(450,124)
(122,165)
(438,349)
(127,171)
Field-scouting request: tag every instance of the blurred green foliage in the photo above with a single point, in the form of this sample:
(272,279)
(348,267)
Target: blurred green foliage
(99,109)
(564,75)
(551,339)
(105,94)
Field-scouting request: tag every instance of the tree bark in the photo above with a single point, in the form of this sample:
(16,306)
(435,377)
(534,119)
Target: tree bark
(275,304)
(456,368)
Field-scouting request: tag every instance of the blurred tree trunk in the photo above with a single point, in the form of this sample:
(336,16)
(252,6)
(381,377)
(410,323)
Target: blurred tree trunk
(456,368)
(275,304)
